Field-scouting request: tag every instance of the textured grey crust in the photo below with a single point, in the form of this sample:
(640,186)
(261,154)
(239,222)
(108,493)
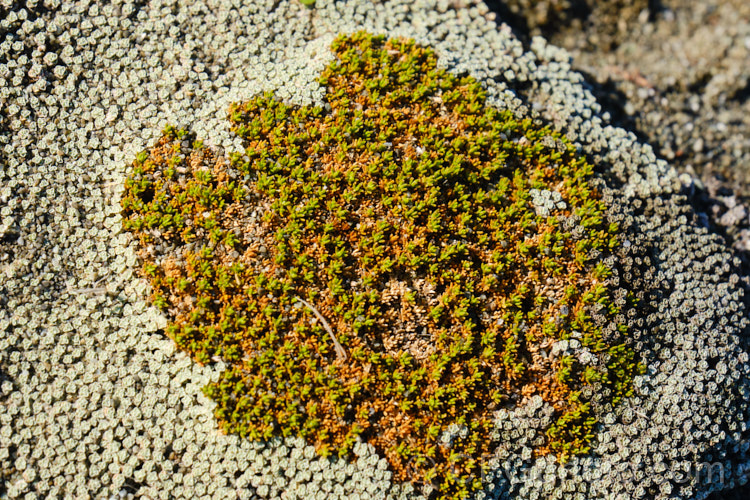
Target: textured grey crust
(94,401)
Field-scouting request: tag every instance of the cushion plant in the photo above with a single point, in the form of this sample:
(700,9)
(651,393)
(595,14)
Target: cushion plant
(398,262)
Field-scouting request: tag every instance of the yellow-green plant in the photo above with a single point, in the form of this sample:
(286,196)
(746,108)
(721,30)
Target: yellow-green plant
(376,269)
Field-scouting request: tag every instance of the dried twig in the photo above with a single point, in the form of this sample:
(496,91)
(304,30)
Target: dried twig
(340,352)
(99,290)
(94,290)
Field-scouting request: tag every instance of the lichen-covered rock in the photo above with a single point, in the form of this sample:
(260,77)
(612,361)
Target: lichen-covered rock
(97,401)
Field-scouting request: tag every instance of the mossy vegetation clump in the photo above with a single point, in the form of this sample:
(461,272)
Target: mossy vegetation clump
(403,261)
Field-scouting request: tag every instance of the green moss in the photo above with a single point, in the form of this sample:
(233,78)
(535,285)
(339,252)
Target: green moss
(399,279)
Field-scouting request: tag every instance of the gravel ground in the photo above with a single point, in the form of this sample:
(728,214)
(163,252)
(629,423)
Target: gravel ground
(95,402)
